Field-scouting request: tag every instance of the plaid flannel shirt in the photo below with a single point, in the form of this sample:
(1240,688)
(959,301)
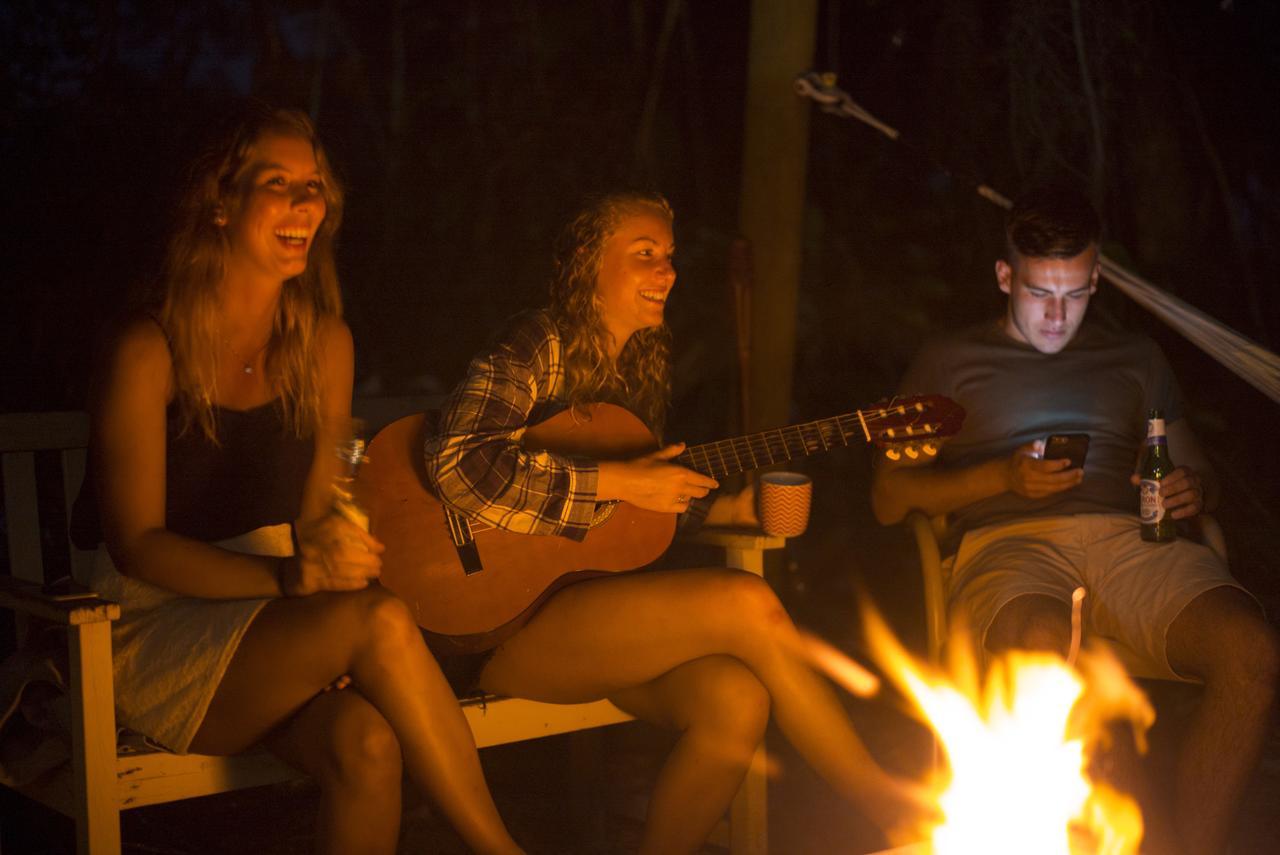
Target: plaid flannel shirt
(475,463)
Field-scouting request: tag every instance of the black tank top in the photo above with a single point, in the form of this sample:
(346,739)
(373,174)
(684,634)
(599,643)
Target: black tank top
(254,478)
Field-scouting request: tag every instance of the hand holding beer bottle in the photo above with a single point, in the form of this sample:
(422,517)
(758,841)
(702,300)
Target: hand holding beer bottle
(335,551)
(350,451)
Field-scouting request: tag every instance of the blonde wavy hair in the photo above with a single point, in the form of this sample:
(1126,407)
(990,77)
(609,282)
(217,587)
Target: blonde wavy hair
(640,378)
(195,263)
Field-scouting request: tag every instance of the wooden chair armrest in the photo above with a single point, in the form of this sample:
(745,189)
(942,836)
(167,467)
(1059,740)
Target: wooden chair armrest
(744,548)
(736,538)
(925,530)
(28,598)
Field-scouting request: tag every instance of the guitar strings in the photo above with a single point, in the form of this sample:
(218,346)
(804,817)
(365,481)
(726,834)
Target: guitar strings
(812,437)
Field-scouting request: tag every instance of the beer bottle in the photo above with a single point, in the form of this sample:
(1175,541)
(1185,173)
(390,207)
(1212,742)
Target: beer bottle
(350,455)
(1156,524)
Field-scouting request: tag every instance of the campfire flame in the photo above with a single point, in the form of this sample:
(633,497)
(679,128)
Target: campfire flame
(1017,742)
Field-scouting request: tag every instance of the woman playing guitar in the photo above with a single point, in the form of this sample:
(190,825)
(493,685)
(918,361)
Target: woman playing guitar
(705,652)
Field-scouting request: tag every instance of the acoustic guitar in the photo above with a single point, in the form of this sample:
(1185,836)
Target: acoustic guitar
(472,585)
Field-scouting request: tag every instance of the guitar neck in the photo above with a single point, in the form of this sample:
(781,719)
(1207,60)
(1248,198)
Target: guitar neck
(757,450)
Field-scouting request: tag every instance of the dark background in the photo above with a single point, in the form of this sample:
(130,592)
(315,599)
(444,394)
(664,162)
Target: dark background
(465,131)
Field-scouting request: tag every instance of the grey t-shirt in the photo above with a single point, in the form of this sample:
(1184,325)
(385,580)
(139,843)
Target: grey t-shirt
(1102,383)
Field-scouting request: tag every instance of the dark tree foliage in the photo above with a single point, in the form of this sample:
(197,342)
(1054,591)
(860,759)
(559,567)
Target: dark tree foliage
(465,130)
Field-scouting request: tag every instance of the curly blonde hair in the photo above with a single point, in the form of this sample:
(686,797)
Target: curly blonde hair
(195,263)
(640,378)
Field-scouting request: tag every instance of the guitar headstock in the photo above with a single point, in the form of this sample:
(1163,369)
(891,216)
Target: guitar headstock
(912,425)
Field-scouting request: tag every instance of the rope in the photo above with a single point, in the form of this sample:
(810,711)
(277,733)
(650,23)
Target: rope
(1247,359)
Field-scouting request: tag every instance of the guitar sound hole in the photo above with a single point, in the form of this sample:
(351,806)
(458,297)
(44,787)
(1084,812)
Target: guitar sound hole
(603,511)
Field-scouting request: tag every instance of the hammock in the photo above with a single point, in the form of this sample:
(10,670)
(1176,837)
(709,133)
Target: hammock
(1242,356)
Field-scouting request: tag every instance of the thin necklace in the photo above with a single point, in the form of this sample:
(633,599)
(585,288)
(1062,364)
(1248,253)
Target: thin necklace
(246,364)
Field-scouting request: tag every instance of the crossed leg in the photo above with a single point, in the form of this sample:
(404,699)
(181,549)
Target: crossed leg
(399,709)
(721,711)
(343,742)
(706,651)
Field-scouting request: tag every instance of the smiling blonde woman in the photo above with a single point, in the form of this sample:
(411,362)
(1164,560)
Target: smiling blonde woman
(247,610)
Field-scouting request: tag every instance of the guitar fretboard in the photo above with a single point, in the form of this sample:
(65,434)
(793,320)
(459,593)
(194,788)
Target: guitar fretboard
(897,422)
(757,450)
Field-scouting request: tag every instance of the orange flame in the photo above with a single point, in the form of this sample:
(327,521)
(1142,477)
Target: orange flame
(1016,740)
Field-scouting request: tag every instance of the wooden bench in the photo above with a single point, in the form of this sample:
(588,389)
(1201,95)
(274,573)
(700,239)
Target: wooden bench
(102,781)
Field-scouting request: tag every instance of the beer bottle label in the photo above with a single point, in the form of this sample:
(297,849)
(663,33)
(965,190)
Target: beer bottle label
(1150,504)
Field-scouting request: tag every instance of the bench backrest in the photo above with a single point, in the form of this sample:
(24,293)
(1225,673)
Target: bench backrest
(37,501)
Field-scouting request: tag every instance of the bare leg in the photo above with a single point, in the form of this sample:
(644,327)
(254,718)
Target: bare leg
(722,711)
(597,638)
(345,744)
(1031,622)
(296,647)
(1221,638)
(1043,623)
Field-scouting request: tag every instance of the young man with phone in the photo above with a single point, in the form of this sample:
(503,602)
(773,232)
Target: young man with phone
(1028,527)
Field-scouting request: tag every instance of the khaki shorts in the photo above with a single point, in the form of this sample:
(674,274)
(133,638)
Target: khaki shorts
(1135,589)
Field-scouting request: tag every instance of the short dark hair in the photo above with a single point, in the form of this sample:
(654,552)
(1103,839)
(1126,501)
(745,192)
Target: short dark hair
(1051,222)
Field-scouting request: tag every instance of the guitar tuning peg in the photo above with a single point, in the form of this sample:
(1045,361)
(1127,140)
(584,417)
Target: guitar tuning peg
(893,454)
(912,452)
(930,449)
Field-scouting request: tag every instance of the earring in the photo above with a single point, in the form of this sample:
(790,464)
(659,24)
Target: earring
(219,218)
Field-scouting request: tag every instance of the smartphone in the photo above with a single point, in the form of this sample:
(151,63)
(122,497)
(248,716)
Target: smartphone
(1072,446)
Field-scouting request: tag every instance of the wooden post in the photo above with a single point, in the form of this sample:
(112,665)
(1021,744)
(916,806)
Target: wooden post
(771,212)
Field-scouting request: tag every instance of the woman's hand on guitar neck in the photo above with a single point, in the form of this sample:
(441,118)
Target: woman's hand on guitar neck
(653,482)
(333,555)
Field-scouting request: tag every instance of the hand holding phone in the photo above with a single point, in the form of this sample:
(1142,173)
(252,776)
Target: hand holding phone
(1072,446)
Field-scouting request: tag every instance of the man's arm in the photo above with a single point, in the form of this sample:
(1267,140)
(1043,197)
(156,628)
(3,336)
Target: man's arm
(1186,452)
(901,486)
